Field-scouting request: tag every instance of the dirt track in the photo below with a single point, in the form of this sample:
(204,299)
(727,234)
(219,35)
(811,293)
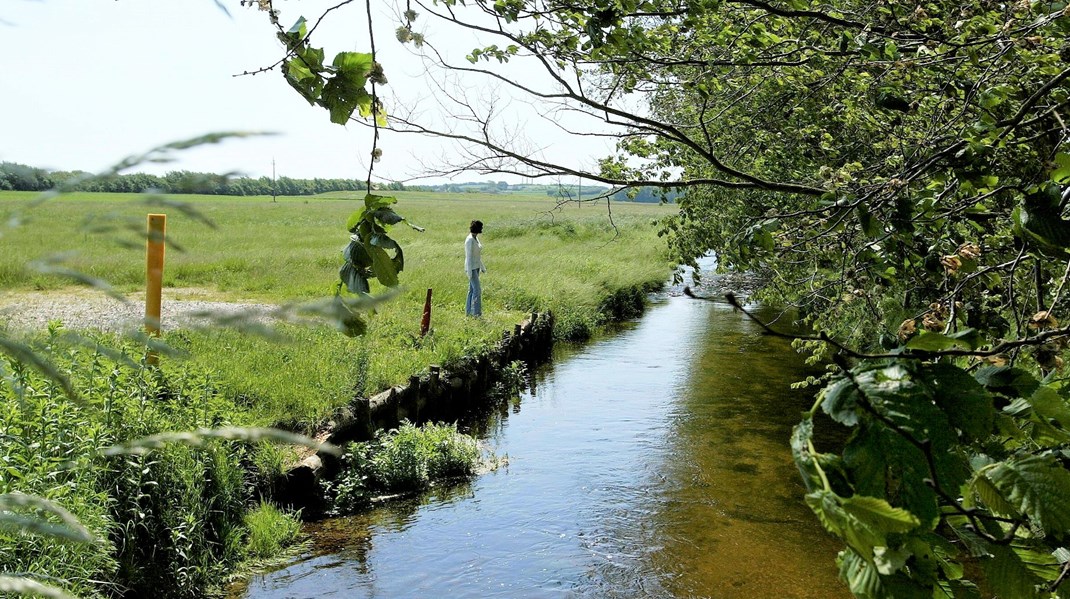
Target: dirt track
(90,309)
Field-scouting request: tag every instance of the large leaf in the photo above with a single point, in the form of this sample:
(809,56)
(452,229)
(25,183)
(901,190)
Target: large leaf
(884,464)
(1007,380)
(355,219)
(344,92)
(879,515)
(1008,576)
(383,266)
(840,402)
(860,575)
(967,404)
(862,522)
(357,255)
(930,341)
(355,65)
(1048,403)
(1038,487)
(302,79)
(374,202)
(387,216)
(804,460)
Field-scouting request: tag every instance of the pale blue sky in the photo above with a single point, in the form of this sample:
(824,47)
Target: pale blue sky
(87,82)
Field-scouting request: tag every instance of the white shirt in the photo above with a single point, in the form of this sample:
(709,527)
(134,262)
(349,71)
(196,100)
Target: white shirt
(473,255)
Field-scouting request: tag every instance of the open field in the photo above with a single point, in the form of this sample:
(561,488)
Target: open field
(568,261)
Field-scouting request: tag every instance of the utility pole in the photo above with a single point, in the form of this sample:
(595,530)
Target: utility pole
(273,179)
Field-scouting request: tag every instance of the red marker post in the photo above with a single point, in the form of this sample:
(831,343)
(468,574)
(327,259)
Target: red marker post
(425,324)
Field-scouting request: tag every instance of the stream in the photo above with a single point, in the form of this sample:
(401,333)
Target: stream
(652,462)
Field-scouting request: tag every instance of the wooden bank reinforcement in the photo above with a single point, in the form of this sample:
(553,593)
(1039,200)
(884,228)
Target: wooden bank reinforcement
(437,395)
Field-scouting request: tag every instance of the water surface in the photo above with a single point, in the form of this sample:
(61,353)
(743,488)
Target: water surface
(651,463)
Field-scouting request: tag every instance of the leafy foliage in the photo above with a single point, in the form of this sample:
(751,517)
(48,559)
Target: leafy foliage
(403,460)
(340,87)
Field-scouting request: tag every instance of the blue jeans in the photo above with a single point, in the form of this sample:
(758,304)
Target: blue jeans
(473,306)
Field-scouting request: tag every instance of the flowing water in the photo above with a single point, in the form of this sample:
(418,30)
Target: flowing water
(651,463)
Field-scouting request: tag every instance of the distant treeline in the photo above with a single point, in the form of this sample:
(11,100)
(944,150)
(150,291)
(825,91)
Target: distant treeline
(19,177)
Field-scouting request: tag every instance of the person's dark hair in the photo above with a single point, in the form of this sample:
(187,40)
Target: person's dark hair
(476,227)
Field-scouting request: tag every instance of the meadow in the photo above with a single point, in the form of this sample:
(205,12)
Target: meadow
(574,260)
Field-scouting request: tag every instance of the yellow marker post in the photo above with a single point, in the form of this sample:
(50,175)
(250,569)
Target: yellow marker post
(154,278)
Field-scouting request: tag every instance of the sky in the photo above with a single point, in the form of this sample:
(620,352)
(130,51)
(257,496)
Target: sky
(86,83)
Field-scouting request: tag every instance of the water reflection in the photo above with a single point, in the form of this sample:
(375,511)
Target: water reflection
(651,463)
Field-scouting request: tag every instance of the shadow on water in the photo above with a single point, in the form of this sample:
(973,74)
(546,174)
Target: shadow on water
(650,463)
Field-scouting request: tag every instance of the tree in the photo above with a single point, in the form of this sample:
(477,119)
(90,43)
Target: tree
(898,171)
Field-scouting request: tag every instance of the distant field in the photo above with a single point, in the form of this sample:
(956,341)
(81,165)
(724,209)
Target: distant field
(567,260)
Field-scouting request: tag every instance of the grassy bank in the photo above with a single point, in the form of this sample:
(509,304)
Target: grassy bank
(574,261)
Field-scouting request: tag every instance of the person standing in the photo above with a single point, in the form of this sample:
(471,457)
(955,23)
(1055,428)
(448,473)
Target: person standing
(473,265)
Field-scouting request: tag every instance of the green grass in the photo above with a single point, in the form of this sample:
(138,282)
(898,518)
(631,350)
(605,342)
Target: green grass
(271,531)
(571,261)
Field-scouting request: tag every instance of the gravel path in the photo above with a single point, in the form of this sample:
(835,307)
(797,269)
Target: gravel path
(89,309)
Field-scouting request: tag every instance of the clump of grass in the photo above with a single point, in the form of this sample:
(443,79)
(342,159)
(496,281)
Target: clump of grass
(403,460)
(573,325)
(271,531)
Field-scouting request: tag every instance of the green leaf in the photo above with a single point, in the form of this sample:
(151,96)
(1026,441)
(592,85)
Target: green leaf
(861,575)
(879,514)
(355,219)
(1007,380)
(355,65)
(387,216)
(1038,487)
(355,280)
(991,497)
(307,83)
(383,266)
(968,405)
(870,225)
(1049,404)
(800,451)
(357,255)
(1007,575)
(374,202)
(931,341)
(1061,173)
(298,29)
(840,401)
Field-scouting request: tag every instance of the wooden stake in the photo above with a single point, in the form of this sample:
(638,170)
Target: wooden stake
(157,224)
